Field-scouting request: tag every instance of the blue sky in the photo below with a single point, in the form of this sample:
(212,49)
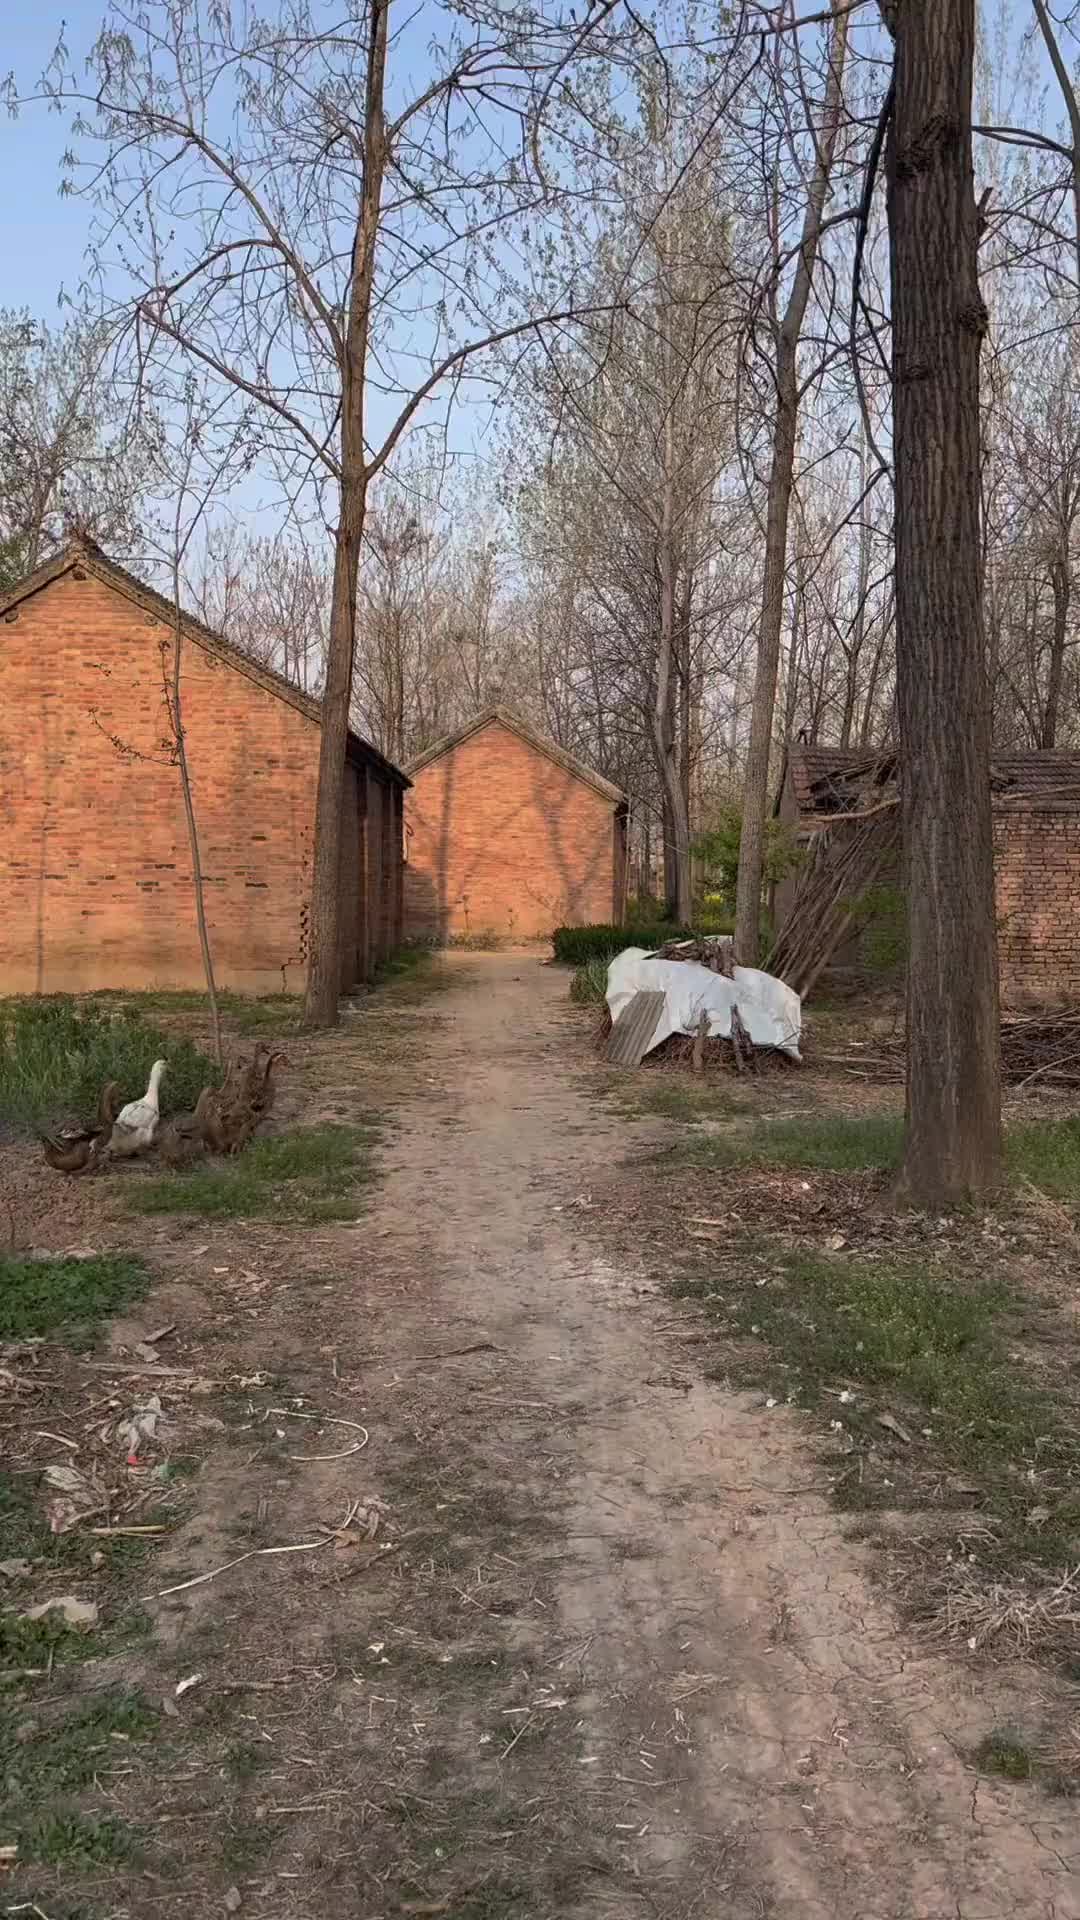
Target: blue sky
(42,236)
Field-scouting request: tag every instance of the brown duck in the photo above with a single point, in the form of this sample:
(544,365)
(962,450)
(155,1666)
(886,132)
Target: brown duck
(226,1117)
(183,1138)
(80,1149)
(245,1098)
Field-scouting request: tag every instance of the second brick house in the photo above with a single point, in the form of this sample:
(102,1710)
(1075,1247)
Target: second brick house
(509,835)
(95,868)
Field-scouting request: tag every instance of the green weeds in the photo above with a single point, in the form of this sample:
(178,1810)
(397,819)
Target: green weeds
(70,1754)
(588,985)
(55,1057)
(927,1346)
(307,1176)
(1004,1752)
(66,1298)
(1043,1153)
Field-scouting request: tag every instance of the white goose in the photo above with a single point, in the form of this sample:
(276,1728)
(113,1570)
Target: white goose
(137,1123)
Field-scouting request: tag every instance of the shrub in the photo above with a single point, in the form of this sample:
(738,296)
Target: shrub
(718,852)
(713,918)
(589,984)
(883,911)
(574,946)
(56,1056)
(644,910)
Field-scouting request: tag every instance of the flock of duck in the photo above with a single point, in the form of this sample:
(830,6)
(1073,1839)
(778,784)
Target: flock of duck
(222,1121)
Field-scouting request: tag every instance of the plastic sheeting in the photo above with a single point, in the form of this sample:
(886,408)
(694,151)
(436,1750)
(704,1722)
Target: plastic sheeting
(770,1011)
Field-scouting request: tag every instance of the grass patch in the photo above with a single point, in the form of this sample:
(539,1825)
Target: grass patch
(891,1324)
(69,1298)
(412,973)
(77,1839)
(828,1141)
(244,1759)
(70,1755)
(1044,1152)
(931,1348)
(25,1535)
(251,1013)
(676,1098)
(1003,1752)
(308,1176)
(1047,1152)
(22,1528)
(588,983)
(55,1057)
(35,1645)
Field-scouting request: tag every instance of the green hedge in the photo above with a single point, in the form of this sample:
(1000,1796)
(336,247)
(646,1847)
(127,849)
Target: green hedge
(574,946)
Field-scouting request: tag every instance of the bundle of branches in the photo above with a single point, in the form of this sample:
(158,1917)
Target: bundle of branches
(846,860)
(714,951)
(1043,1047)
(1038,1047)
(739,1054)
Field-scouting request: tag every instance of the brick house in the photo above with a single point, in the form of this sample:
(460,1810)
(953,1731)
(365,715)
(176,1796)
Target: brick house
(507,834)
(1036,814)
(95,871)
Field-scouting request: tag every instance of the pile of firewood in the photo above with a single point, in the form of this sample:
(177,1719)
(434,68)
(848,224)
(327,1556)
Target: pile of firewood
(845,862)
(1039,1049)
(715,951)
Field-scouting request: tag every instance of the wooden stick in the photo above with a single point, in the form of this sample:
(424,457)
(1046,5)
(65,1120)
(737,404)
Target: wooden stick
(700,1038)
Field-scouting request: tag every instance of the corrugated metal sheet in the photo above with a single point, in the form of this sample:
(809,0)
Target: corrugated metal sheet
(628,1041)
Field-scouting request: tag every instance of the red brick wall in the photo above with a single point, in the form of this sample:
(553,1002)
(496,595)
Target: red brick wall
(1037,867)
(500,839)
(95,873)
(1037,886)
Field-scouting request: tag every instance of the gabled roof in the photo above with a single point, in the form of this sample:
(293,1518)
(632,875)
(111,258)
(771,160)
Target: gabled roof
(506,717)
(88,557)
(810,765)
(1041,779)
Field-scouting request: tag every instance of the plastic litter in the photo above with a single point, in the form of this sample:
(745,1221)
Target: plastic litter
(769,1010)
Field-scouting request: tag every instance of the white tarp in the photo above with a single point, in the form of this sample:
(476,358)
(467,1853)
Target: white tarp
(770,1012)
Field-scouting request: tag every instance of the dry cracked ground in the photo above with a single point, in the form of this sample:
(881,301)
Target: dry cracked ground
(474,1596)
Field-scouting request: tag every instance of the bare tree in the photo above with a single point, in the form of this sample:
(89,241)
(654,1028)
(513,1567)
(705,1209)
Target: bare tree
(284,198)
(953,1145)
(787,332)
(70,455)
(1072,111)
(270,595)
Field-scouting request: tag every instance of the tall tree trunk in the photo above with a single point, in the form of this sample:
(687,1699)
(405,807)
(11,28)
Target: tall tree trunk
(791,691)
(665,739)
(1061,583)
(778,507)
(953,1149)
(324,968)
(176,715)
(851,684)
(685,713)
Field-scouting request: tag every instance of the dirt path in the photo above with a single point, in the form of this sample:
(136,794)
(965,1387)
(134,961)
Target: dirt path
(750,1730)
(593,1642)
